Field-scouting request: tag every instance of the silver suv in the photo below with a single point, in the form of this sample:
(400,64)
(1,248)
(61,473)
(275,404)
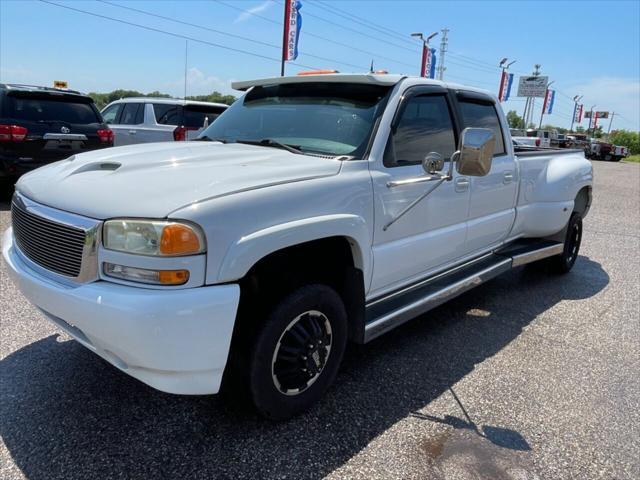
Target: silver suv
(150,119)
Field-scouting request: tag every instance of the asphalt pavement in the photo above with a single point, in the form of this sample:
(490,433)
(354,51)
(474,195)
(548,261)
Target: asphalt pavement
(530,376)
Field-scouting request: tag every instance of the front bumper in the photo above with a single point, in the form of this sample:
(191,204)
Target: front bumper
(176,341)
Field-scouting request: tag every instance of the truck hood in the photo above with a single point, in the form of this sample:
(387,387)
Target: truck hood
(153,180)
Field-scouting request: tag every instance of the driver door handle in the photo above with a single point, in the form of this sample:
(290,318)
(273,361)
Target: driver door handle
(461,184)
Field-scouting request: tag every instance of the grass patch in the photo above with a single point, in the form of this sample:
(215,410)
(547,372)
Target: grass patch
(633,158)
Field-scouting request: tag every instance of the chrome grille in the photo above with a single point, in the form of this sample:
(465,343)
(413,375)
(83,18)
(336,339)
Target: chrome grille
(52,245)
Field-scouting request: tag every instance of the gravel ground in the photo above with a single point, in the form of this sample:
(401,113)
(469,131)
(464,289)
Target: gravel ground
(530,376)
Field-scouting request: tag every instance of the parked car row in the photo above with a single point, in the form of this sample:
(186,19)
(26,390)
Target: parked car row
(41,125)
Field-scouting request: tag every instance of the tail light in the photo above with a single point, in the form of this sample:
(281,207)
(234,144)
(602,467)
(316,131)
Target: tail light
(105,135)
(537,142)
(12,133)
(180,134)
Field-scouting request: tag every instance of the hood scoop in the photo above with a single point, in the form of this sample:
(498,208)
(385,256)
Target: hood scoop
(97,167)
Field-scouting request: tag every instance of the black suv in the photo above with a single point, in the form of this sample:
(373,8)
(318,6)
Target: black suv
(40,125)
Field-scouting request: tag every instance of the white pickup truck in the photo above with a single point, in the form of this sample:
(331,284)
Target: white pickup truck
(316,210)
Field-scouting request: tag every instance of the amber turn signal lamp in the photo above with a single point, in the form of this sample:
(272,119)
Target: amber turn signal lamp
(178,239)
(173,277)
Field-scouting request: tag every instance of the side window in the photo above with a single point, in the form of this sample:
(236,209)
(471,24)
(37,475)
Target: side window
(130,114)
(482,115)
(425,126)
(167,114)
(111,114)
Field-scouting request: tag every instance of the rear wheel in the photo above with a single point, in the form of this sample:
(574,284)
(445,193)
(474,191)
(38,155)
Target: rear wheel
(564,262)
(297,352)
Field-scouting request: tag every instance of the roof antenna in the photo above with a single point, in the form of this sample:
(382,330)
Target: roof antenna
(371,68)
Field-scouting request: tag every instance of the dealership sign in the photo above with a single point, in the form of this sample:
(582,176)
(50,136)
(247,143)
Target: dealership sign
(532,86)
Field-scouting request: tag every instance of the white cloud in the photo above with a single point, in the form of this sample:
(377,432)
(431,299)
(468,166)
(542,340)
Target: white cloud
(199,83)
(612,94)
(257,9)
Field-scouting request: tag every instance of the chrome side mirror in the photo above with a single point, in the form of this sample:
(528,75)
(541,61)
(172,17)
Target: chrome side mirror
(476,152)
(433,163)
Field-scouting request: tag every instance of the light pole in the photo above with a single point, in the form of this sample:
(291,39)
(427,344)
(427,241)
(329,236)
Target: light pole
(425,50)
(544,104)
(576,99)
(503,81)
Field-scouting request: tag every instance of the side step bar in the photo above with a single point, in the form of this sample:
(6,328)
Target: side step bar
(386,313)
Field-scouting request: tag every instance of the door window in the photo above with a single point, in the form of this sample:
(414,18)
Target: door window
(168,114)
(132,114)
(483,115)
(425,126)
(111,113)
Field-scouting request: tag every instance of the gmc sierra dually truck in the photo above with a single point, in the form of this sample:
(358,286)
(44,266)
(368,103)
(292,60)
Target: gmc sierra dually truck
(316,210)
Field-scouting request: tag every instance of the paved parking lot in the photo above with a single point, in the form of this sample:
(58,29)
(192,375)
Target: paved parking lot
(529,376)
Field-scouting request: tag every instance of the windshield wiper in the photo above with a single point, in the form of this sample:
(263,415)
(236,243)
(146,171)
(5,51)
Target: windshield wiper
(204,138)
(268,142)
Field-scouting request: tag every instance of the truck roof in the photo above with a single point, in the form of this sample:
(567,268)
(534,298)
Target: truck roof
(364,78)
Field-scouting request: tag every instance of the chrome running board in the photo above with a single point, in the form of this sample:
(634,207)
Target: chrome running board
(398,307)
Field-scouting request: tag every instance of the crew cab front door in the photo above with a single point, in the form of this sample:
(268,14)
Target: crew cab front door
(433,232)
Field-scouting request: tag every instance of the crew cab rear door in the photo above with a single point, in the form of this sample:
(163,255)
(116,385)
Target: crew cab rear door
(433,232)
(493,197)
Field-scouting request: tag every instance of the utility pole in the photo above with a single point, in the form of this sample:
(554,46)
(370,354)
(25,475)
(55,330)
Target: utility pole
(610,122)
(576,99)
(443,49)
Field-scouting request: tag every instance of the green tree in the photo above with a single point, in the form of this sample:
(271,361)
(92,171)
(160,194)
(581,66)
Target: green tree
(514,120)
(103,99)
(626,138)
(215,97)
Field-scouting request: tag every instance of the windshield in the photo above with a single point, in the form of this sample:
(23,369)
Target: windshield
(322,118)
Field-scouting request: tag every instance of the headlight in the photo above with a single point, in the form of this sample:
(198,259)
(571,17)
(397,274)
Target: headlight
(153,237)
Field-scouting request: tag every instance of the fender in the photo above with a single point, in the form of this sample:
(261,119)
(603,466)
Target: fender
(248,250)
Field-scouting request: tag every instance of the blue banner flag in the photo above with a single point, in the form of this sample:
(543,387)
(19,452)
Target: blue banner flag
(292,27)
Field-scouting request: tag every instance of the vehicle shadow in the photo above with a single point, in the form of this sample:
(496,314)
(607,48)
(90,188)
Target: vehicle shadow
(65,413)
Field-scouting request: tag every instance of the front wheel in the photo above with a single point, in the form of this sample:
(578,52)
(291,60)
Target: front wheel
(297,352)
(564,262)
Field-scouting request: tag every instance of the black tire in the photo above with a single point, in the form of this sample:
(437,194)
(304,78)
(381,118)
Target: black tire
(564,262)
(279,365)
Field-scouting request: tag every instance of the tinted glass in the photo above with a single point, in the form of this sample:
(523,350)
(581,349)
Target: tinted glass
(323,118)
(481,115)
(425,126)
(167,114)
(130,115)
(194,115)
(46,110)
(110,114)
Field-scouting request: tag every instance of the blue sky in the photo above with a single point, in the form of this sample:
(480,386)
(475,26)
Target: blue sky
(589,48)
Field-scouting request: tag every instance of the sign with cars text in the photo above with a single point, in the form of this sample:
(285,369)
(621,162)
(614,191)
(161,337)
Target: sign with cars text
(532,86)
(292,26)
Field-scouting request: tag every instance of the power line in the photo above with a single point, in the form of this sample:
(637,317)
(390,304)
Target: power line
(220,32)
(366,23)
(172,34)
(313,35)
(331,22)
